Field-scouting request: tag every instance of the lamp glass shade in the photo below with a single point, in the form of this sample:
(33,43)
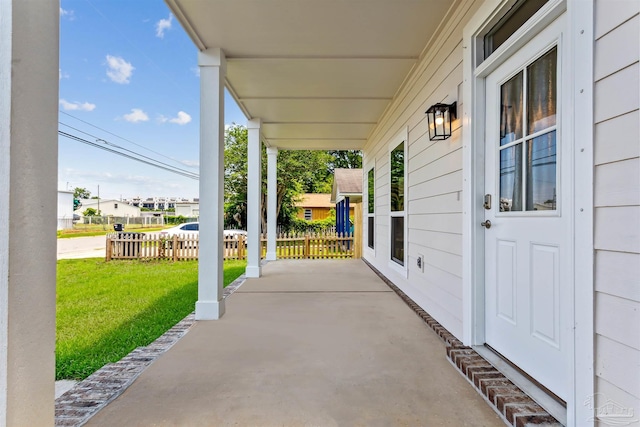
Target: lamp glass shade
(439,117)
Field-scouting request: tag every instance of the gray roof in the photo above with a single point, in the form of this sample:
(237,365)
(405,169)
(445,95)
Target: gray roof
(346,182)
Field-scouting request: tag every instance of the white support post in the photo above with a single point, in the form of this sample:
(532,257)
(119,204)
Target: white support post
(254,185)
(272,201)
(210,304)
(28,180)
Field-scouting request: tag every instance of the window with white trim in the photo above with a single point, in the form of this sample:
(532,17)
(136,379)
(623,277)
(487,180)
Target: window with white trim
(397,174)
(308,214)
(371,202)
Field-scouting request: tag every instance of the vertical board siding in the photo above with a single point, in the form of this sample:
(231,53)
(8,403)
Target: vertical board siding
(433,205)
(617,202)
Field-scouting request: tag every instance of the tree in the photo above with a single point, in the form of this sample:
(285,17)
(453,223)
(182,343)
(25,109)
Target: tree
(81,193)
(345,159)
(91,212)
(298,172)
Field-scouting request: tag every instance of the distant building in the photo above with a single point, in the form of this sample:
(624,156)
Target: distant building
(158,203)
(109,207)
(187,209)
(345,192)
(65,210)
(314,206)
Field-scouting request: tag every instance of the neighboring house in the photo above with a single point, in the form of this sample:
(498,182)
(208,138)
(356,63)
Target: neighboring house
(519,232)
(345,192)
(65,209)
(187,209)
(109,207)
(314,206)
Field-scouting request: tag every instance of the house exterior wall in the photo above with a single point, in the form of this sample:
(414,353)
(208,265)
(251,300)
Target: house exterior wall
(617,202)
(110,208)
(433,202)
(65,210)
(187,209)
(316,213)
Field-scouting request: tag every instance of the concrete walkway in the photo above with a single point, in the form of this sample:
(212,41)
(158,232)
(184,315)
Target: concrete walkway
(311,343)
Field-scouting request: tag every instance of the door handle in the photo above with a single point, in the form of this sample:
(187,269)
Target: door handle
(486,224)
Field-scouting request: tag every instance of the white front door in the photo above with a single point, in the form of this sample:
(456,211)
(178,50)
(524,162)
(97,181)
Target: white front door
(527,256)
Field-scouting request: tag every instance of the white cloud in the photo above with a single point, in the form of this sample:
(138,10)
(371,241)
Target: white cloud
(81,106)
(136,115)
(182,118)
(119,70)
(62,75)
(163,25)
(69,14)
(196,71)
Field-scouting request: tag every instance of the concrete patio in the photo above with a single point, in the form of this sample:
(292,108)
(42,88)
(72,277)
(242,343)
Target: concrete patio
(319,343)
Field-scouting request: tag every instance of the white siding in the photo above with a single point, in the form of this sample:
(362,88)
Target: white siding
(433,203)
(617,202)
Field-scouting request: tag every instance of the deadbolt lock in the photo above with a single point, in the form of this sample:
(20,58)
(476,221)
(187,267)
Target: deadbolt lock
(487,201)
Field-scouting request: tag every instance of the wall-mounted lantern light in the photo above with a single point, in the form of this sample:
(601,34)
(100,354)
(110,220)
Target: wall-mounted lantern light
(440,117)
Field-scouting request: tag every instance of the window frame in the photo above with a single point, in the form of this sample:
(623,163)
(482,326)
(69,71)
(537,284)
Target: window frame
(371,215)
(401,138)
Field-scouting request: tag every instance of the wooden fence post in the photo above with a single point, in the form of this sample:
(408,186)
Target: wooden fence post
(357,231)
(307,246)
(241,247)
(108,250)
(175,247)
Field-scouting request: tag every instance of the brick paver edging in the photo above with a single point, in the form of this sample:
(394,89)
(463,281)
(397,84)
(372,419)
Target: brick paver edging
(85,399)
(507,399)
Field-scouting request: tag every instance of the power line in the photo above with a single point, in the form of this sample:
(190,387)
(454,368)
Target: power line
(125,149)
(150,163)
(119,137)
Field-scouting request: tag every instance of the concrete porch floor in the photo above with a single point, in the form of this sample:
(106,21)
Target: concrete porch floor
(311,343)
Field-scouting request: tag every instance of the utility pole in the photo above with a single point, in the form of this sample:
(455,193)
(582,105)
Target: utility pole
(99,213)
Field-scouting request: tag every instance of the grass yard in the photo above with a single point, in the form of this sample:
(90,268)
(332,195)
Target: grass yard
(88,230)
(105,310)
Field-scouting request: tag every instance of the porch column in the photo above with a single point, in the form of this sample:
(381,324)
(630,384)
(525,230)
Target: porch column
(347,225)
(254,185)
(272,202)
(210,304)
(28,186)
(339,217)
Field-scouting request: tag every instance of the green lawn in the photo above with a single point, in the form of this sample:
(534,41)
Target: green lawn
(105,310)
(86,230)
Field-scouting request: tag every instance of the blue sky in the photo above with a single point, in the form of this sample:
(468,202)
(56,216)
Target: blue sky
(128,80)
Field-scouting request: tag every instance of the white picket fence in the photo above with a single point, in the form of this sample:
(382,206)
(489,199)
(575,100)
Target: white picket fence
(184,247)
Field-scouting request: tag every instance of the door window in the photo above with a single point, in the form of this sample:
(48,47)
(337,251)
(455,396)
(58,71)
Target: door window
(527,146)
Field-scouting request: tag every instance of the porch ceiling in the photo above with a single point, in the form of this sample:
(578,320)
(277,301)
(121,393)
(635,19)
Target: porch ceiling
(319,73)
